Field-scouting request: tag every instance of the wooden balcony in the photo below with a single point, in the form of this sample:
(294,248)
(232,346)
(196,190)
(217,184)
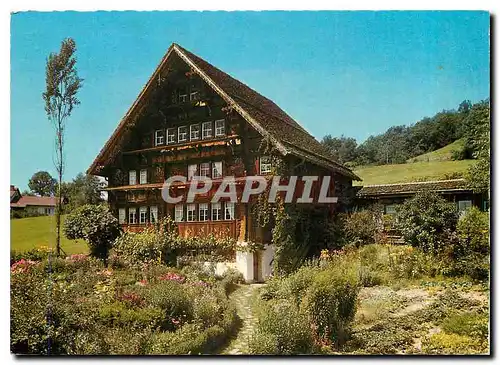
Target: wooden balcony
(219,229)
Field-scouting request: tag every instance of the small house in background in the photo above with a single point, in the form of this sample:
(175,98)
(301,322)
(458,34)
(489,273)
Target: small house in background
(34,205)
(391,195)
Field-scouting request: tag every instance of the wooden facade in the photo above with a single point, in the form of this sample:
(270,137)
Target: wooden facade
(192,119)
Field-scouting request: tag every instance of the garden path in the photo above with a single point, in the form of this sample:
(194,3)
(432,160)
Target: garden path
(242,298)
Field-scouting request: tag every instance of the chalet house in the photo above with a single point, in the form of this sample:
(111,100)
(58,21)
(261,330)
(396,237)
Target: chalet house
(192,119)
(41,205)
(390,195)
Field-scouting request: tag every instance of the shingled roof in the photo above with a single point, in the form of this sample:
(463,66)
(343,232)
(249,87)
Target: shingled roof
(288,136)
(413,187)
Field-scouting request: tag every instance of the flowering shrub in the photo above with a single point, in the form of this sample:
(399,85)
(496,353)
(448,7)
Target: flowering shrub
(22,266)
(92,309)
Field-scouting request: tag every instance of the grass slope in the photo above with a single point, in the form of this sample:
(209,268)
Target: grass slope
(409,172)
(29,233)
(442,154)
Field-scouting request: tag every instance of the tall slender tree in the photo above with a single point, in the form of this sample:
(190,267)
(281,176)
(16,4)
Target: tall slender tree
(62,85)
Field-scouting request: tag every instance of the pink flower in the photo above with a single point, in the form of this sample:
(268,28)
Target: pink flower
(175,321)
(78,257)
(22,266)
(173,277)
(201,283)
(142,283)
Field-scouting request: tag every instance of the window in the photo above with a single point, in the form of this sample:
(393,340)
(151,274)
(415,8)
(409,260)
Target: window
(216,211)
(153,214)
(191,212)
(194,132)
(143,211)
(207,130)
(183,134)
(143,178)
(205,169)
(390,209)
(159,137)
(170,135)
(463,205)
(220,128)
(203,212)
(194,95)
(122,216)
(132,216)
(265,165)
(192,171)
(179,212)
(229,211)
(132,177)
(183,96)
(216,169)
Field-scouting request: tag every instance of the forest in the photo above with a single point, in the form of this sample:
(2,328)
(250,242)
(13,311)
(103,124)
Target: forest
(400,143)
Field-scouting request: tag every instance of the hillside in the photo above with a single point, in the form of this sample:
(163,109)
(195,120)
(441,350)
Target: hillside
(29,233)
(436,165)
(442,154)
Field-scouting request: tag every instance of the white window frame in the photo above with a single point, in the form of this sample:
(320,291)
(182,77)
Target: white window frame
(184,134)
(192,171)
(132,177)
(122,215)
(179,212)
(220,130)
(170,135)
(229,211)
(217,170)
(183,97)
(194,95)
(216,211)
(206,130)
(143,215)
(143,176)
(464,205)
(159,137)
(204,169)
(390,207)
(153,214)
(132,216)
(265,167)
(191,208)
(191,138)
(203,212)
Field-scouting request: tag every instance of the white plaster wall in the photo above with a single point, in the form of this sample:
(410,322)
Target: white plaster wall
(220,267)
(267,261)
(244,264)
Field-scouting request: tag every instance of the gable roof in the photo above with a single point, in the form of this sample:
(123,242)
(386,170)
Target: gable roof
(260,112)
(42,201)
(413,187)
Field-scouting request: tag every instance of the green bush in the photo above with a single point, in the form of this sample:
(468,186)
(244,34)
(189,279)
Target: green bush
(330,302)
(474,325)
(369,277)
(282,330)
(426,221)
(359,228)
(96,225)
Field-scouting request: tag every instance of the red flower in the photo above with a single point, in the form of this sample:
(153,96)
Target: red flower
(173,277)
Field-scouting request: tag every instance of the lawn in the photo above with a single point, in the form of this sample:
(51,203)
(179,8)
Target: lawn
(410,172)
(29,233)
(442,154)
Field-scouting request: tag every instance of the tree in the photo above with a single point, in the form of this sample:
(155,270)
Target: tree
(96,225)
(426,221)
(343,149)
(43,184)
(84,189)
(62,85)
(477,139)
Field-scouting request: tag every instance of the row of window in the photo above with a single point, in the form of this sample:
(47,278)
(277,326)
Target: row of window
(194,132)
(463,205)
(142,218)
(206,169)
(204,212)
(183,212)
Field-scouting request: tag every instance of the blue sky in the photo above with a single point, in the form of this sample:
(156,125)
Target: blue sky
(351,73)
